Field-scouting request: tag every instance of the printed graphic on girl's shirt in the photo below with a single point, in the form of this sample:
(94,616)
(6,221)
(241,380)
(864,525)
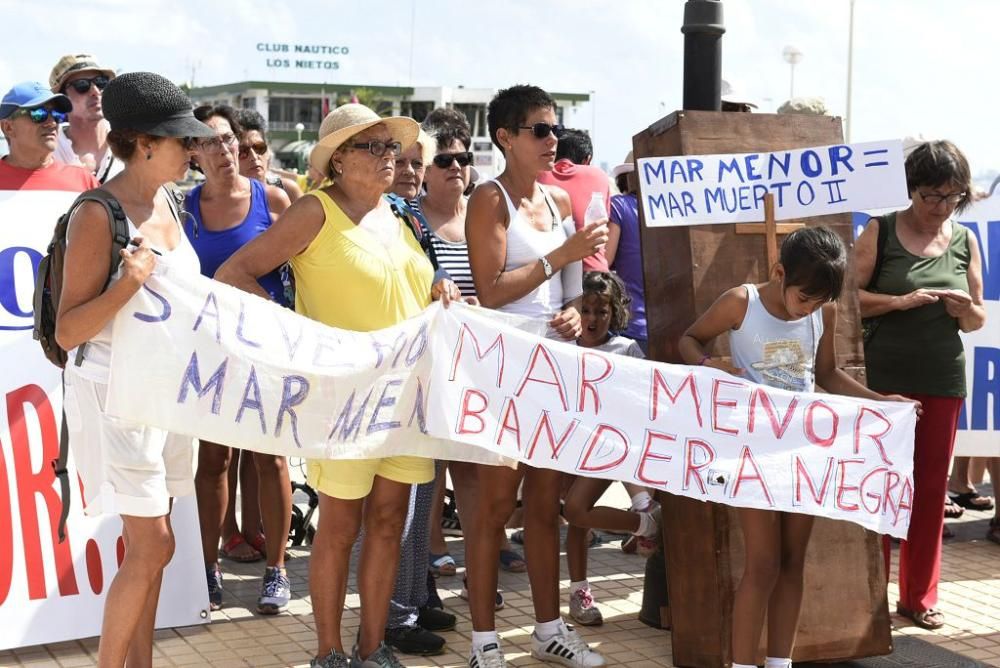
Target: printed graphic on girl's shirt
(784,365)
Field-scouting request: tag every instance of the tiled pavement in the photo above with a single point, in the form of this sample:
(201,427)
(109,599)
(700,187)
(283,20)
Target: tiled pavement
(970,598)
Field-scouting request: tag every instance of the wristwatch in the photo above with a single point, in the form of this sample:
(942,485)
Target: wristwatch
(546,267)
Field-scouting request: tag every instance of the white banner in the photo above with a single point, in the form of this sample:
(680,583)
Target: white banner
(704,189)
(198,357)
(51,591)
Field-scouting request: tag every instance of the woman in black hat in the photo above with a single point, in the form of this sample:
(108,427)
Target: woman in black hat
(126,469)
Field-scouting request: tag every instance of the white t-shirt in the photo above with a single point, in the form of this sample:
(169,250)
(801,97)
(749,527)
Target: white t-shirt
(107,166)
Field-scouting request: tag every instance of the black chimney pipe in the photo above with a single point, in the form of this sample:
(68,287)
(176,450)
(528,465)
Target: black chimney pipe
(703,28)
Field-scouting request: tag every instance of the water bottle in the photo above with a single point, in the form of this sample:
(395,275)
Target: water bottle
(596,210)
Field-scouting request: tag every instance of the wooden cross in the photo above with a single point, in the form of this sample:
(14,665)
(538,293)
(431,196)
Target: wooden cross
(770,229)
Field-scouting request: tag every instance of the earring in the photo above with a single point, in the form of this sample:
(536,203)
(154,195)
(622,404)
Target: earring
(149,155)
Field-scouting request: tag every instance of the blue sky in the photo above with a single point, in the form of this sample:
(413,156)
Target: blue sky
(922,67)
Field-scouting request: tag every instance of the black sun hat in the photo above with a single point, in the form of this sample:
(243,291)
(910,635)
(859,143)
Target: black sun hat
(146,102)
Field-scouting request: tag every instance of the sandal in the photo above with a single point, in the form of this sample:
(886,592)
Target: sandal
(239,550)
(972,501)
(993,534)
(952,511)
(929,619)
(512,562)
(442,565)
(259,543)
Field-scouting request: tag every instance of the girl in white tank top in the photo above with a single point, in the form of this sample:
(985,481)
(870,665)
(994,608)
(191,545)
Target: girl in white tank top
(781,334)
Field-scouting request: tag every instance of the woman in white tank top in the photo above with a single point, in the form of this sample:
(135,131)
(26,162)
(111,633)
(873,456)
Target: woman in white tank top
(517,247)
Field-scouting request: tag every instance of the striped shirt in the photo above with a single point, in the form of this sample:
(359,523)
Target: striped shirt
(451,256)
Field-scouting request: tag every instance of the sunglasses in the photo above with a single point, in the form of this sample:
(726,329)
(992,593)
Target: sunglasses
(81,86)
(260,148)
(543,130)
(379,148)
(39,115)
(445,160)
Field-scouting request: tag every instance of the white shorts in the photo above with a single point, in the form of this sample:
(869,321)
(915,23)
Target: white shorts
(125,468)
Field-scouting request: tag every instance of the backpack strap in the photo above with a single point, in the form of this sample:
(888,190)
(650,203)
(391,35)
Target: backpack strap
(119,239)
(883,238)
(59,466)
(414,219)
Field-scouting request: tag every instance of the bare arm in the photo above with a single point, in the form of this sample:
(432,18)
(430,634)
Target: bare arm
(725,314)
(292,188)
(84,309)
(968,308)
(614,236)
(287,237)
(874,303)
(277,200)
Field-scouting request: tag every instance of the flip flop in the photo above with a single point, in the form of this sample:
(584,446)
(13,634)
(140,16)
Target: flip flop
(442,564)
(930,619)
(239,550)
(259,543)
(512,562)
(952,511)
(972,501)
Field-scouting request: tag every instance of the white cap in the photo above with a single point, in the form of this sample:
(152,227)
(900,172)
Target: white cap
(732,94)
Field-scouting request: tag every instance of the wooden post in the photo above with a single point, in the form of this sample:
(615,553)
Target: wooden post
(770,229)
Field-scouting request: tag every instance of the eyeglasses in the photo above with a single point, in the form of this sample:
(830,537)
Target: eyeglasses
(933,199)
(378,148)
(415,165)
(216,142)
(543,130)
(189,143)
(260,148)
(445,160)
(39,115)
(82,86)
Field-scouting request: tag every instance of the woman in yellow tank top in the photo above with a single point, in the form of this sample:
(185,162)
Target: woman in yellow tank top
(356,267)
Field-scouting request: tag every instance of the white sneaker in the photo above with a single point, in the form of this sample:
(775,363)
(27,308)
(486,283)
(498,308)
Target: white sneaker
(488,656)
(567,648)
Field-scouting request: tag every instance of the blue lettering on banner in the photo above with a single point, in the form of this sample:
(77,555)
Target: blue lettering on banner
(985,390)
(731,167)
(419,409)
(240,328)
(809,198)
(811,165)
(421,338)
(294,390)
(254,402)
(349,425)
(384,401)
(164,308)
(290,347)
(990,257)
(8,285)
(192,378)
(210,299)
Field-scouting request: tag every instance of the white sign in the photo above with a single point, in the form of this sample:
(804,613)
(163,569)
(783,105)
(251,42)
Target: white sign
(52,591)
(465,384)
(702,189)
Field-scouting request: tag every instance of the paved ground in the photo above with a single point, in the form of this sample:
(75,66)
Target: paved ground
(970,597)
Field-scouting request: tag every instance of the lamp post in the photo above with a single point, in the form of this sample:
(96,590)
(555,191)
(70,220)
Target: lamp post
(299,128)
(593,114)
(703,29)
(850,74)
(793,57)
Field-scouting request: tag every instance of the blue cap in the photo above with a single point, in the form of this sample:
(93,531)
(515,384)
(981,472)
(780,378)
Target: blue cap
(30,94)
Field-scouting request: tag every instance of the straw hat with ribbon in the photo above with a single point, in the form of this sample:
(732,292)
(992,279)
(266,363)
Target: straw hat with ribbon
(348,120)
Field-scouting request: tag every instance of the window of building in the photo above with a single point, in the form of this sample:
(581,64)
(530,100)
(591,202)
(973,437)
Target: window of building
(284,112)
(415,109)
(476,113)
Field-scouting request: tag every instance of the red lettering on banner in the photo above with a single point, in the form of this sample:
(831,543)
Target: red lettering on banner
(747,456)
(509,423)
(905,500)
(842,487)
(802,471)
(472,412)
(6,531)
(555,380)
(648,454)
(875,438)
(478,352)
(95,572)
(691,467)
(659,384)
(598,438)
(33,485)
(555,446)
(716,403)
(810,428)
(760,394)
(590,384)
(891,482)
(863,492)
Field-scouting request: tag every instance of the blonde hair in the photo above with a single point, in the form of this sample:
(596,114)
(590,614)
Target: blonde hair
(428,147)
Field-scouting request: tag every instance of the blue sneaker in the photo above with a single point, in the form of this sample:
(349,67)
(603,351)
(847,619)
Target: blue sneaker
(214,577)
(275,591)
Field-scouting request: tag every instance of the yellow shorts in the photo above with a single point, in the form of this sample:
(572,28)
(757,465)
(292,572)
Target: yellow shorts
(353,478)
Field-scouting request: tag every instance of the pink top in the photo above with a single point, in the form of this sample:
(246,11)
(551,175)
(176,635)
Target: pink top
(56,176)
(580,181)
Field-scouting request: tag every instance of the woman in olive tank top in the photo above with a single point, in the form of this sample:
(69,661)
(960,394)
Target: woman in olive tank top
(927,287)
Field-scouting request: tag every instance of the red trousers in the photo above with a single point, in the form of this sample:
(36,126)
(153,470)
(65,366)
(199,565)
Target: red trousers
(920,553)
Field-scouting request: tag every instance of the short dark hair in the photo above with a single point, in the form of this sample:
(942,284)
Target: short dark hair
(815,261)
(621,181)
(251,119)
(575,146)
(447,125)
(608,285)
(207,111)
(510,107)
(939,163)
(123,143)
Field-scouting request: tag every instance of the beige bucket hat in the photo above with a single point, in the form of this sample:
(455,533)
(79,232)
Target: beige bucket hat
(348,120)
(72,63)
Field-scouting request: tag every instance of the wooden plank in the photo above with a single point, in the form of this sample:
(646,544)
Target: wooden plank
(761,228)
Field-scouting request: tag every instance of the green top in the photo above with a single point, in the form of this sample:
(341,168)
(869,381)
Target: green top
(919,350)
